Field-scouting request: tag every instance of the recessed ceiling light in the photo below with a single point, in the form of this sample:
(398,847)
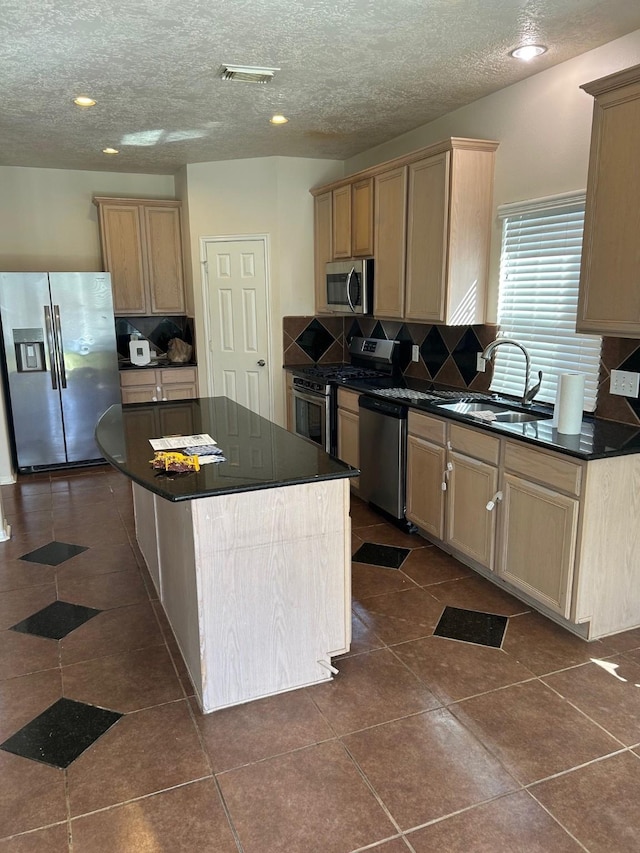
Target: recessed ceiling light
(528,51)
(84,101)
(278,119)
(110,151)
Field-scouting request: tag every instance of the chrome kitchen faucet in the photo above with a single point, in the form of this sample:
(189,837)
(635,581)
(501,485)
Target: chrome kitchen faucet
(529,393)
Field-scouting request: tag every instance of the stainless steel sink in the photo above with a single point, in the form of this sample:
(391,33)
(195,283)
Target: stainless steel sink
(502,413)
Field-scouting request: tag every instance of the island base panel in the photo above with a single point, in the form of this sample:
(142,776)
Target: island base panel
(256,585)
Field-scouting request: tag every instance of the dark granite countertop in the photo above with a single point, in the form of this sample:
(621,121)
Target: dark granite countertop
(260,454)
(125,364)
(598,439)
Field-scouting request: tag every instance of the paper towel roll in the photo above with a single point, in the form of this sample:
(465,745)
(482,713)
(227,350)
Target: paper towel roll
(570,403)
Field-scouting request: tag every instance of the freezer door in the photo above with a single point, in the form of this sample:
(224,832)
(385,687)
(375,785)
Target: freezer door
(82,308)
(34,396)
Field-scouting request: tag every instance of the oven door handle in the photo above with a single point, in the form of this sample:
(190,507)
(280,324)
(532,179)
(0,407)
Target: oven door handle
(309,398)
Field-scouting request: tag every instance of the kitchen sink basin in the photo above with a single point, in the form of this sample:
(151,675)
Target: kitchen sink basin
(494,412)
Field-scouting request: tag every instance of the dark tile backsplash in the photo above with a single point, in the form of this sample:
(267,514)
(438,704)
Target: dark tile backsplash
(447,354)
(157,330)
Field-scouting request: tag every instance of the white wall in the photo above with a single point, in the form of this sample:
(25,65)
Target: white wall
(543,125)
(259,196)
(49,223)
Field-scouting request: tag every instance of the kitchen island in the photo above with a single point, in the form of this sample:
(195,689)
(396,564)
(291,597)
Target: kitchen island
(250,557)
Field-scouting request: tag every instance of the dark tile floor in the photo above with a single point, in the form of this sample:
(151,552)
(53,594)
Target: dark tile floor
(447,729)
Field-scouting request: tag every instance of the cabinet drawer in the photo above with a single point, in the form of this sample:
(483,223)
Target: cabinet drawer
(425,427)
(551,469)
(475,443)
(178,375)
(348,400)
(146,376)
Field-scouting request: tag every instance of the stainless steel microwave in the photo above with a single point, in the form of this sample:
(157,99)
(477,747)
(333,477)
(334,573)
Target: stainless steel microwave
(349,286)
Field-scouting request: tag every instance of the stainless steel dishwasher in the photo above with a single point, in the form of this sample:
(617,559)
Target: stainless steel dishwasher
(383,454)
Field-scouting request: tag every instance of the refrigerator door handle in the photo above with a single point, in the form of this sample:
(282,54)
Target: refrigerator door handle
(58,328)
(53,361)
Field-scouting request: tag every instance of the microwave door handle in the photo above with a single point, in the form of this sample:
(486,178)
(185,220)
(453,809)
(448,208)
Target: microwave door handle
(349,277)
(51,346)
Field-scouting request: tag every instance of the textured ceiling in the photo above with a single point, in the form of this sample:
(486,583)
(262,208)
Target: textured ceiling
(354,73)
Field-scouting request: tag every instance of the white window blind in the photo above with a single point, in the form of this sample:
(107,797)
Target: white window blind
(538,298)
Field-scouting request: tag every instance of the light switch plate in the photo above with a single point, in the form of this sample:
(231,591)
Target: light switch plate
(415,353)
(481,364)
(625,383)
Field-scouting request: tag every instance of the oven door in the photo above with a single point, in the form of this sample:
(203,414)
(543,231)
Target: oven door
(311,418)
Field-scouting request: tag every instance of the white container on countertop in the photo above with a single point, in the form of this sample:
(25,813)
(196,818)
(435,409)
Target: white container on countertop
(139,352)
(570,403)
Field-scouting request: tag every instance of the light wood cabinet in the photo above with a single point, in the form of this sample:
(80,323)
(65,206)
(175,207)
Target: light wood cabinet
(609,300)
(538,541)
(353,220)
(390,220)
(426,464)
(142,249)
(322,247)
(348,425)
(341,212)
(452,475)
(559,532)
(472,482)
(450,207)
(150,385)
(432,213)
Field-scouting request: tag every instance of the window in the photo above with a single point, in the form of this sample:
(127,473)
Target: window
(538,298)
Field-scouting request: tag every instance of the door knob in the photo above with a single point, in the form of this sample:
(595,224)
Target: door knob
(262,362)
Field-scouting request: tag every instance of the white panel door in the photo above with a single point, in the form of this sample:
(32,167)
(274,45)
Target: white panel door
(236,294)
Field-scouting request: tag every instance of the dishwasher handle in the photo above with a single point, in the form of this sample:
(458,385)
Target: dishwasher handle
(383,407)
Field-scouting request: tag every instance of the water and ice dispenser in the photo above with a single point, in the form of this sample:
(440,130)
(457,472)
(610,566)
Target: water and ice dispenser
(29,347)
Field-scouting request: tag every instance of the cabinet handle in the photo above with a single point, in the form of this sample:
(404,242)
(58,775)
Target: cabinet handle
(449,445)
(154,399)
(445,475)
(494,500)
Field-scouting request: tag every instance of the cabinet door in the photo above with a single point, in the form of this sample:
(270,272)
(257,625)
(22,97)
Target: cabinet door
(470,525)
(139,386)
(140,394)
(390,197)
(538,542)
(362,218)
(349,440)
(609,294)
(425,475)
(341,200)
(176,391)
(123,256)
(164,259)
(427,219)
(322,251)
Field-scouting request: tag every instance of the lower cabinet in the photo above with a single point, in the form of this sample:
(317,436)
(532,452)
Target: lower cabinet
(452,476)
(349,430)
(150,385)
(540,511)
(538,546)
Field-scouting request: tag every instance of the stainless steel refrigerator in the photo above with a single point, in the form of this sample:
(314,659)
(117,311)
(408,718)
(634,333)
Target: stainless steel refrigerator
(61,364)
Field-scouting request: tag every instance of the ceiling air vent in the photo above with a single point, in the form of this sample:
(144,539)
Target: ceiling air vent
(247,74)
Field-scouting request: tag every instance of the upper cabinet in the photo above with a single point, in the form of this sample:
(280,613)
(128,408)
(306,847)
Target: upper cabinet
(322,246)
(609,301)
(353,220)
(390,206)
(426,219)
(142,249)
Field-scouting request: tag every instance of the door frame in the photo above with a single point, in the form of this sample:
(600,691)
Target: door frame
(237,238)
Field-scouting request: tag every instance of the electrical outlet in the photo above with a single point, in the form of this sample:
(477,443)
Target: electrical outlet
(415,353)
(625,383)
(481,364)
